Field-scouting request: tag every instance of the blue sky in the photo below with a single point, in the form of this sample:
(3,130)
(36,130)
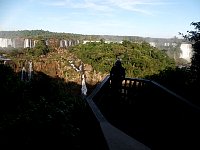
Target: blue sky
(146,18)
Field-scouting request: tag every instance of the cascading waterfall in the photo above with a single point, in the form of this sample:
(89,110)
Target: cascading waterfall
(83,88)
(46,42)
(9,42)
(27,70)
(30,43)
(13,43)
(6,42)
(3,42)
(83,79)
(26,43)
(67,43)
(186,51)
(30,70)
(23,74)
(73,66)
(83,82)
(61,43)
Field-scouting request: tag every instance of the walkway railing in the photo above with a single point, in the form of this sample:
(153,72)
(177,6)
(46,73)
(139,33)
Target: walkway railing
(115,138)
(146,115)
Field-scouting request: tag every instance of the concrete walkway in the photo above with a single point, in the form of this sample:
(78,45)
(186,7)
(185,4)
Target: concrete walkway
(118,140)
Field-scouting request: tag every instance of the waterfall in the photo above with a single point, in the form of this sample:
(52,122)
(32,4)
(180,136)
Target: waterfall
(73,66)
(46,42)
(26,43)
(83,88)
(5,42)
(83,80)
(30,43)
(30,70)
(70,43)
(66,45)
(186,51)
(23,74)
(61,43)
(9,42)
(13,43)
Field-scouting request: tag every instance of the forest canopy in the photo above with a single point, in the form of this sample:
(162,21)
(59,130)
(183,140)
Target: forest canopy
(139,58)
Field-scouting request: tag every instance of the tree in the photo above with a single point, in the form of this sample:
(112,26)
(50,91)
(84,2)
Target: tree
(102,40)
(194,37)
(126,43)
(40,48)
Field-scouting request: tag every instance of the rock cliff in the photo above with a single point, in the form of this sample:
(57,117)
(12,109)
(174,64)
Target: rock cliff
(60,63)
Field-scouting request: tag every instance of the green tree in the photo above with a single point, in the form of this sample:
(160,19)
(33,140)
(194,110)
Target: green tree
(40,48)
(102,40)
(139,59)
(194,37)
(126,43)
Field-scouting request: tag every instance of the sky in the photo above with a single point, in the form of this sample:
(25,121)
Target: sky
(145,18)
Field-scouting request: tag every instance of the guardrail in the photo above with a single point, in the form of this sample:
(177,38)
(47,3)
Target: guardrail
(145,116)
(115,138)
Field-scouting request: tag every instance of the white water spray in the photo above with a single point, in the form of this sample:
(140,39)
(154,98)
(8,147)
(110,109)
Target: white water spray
(30,70)
(83,79)
(23,74)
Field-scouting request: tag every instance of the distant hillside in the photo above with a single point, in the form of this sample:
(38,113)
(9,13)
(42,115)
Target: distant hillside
(48,34)
(28,38)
